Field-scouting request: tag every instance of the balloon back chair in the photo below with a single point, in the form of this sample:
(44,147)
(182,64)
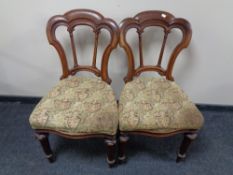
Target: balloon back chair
(79,107)
(155,107)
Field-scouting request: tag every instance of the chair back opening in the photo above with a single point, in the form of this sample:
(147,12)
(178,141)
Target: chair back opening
(73,20)
(141,22)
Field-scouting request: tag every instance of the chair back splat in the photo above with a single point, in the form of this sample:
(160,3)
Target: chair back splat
(147,19)
(97,22)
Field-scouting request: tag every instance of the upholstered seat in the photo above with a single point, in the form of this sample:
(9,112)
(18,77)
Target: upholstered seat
(156,105)
(78,106)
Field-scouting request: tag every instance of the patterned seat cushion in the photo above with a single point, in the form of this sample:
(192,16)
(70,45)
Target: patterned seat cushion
(78,106)
(156,105)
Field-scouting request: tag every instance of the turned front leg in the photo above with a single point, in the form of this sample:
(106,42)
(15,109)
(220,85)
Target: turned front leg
(111,150)
(43,139)
(188,139)
(122,146)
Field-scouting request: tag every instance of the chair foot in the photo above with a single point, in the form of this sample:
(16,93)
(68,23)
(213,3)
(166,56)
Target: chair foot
(111,149)
(43,139)
(188,138)
(122,145)
(122,160)
(180,157)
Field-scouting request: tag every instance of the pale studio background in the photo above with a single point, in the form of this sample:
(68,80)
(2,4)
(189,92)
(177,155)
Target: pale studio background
(29,66)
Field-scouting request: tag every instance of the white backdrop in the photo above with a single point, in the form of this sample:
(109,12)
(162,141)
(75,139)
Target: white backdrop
(29,66)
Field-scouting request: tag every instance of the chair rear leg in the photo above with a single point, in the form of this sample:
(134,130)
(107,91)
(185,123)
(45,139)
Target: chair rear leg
(122,146)
(111,150)
(43,139)
(188,138)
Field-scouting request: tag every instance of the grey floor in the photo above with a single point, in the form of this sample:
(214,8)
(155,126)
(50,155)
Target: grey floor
(20,153)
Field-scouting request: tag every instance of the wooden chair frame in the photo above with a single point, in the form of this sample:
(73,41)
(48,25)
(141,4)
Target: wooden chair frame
(168,22)
(97,22)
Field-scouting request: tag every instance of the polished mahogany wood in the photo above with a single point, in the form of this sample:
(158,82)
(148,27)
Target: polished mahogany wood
(188,138)
(97,22)
(111,152)
(123,139)
(43,139)
(89,18)
(146,19)
(168,22)
(154,134)
(80,136)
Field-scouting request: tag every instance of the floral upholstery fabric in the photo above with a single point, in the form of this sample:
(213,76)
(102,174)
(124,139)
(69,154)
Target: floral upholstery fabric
(156,105)
(77,106)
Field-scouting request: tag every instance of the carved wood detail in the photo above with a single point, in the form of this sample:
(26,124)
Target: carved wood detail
(89,18)
(146,19)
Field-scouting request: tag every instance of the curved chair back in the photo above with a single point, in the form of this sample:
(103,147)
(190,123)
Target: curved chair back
(89,18)
(147,19)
